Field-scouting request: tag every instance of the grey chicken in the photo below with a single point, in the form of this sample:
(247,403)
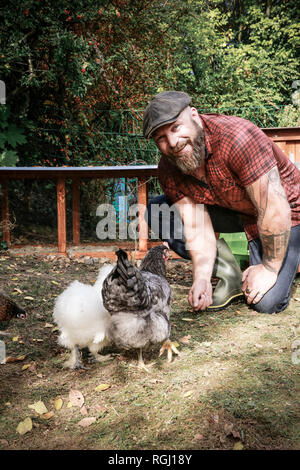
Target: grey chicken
(139,302)
(9,309)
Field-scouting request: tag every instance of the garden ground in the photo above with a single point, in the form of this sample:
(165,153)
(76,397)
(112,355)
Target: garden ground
(234,385)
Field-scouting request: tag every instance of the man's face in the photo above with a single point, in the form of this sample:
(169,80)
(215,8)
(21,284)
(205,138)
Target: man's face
(182,142)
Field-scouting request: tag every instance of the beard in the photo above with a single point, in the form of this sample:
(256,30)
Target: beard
(189,162)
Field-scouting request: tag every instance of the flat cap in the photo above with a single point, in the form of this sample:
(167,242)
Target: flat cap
(163,108)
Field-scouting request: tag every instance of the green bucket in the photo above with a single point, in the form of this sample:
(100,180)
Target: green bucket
(239,246)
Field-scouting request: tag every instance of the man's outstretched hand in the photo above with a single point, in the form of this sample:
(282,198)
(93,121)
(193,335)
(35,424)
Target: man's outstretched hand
(200,295)
(257,281)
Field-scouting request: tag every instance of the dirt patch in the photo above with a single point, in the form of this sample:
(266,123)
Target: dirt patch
(234,385)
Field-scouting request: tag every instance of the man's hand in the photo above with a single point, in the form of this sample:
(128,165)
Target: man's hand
(200,295)
(257,280)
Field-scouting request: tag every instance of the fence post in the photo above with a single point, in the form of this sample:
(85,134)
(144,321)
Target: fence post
(5,212)
(61,215)
(76,210)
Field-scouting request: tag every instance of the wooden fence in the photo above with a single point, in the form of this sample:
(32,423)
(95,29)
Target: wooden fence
(288,139)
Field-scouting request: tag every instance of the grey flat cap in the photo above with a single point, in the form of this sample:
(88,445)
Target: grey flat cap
(163,108)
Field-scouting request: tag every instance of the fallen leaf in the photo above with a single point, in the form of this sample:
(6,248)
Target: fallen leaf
(102,387)
(76,398)
(47,415)
(297,299)
(56,283)
(55,329)
(14,359)
(187,319)
(58,403)
(28,297)
(69,405)
(24,426)
(18,290)
(188,393)
(15,338)
(38,407)
(26,366)
(85,422)
(48,325)
(198,437)
(238,446)
(15,279)
(83,410)
(185,339)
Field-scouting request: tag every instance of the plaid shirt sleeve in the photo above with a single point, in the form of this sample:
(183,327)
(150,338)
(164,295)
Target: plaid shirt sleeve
(169,180)
(248,152)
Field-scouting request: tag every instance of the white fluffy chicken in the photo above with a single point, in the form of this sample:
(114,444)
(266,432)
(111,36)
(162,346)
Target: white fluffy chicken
(139,303)
(82,319)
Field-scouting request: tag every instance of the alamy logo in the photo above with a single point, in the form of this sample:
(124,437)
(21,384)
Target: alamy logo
(2,352)
(2,92)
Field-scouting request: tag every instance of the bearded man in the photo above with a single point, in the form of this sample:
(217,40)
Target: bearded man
(223,174)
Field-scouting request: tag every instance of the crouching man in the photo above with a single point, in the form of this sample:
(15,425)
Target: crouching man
(223,174)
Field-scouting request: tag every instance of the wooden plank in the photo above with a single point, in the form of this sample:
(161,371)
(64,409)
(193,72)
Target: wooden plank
(143,226)
(61,215)
(5,213)
(76,210)
(78,172)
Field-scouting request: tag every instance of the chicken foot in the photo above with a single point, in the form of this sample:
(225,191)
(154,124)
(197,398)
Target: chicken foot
(75,360)
(169,347)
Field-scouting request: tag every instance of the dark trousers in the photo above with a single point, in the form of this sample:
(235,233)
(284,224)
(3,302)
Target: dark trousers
(227,221)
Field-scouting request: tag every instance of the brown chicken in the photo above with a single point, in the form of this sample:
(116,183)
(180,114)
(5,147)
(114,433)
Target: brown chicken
(139,303)
(9,309)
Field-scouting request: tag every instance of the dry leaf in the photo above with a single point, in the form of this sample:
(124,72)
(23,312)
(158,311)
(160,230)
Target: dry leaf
(185,339)
(56,283)
(187,319)
(47,415)
(238,446)
(85,422)
(24,426)
(297,299)
(26,366)
(102,387)
(76,398)
(18,290)
(38,407)
(48,325)
(15,279)
(28,297)
(58,403)
(188,393)
(15,338)
(83,410)
(14,359)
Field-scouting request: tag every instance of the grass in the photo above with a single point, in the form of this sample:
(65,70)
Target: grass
(234,382)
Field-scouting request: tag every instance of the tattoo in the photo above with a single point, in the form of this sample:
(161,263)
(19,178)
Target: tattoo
(263,193)
(274,247)
(275,183)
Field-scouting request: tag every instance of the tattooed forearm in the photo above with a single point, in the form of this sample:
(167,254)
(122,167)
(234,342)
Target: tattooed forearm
(273,217)
(274,248)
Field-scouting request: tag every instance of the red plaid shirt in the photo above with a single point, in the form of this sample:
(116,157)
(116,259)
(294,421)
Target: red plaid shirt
(238,153)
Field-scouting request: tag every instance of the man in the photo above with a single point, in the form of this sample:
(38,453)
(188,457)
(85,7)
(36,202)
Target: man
(225,175)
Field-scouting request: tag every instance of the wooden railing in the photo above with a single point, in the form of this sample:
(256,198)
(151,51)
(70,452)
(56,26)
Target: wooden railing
(288,139)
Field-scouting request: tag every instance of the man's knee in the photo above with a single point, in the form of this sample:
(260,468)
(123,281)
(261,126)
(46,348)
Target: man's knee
(269,304)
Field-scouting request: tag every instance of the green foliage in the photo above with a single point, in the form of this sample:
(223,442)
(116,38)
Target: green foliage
(10,137)
(71,67)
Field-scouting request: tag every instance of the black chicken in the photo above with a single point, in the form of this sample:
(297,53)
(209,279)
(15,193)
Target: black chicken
(9,309)
(139,302)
